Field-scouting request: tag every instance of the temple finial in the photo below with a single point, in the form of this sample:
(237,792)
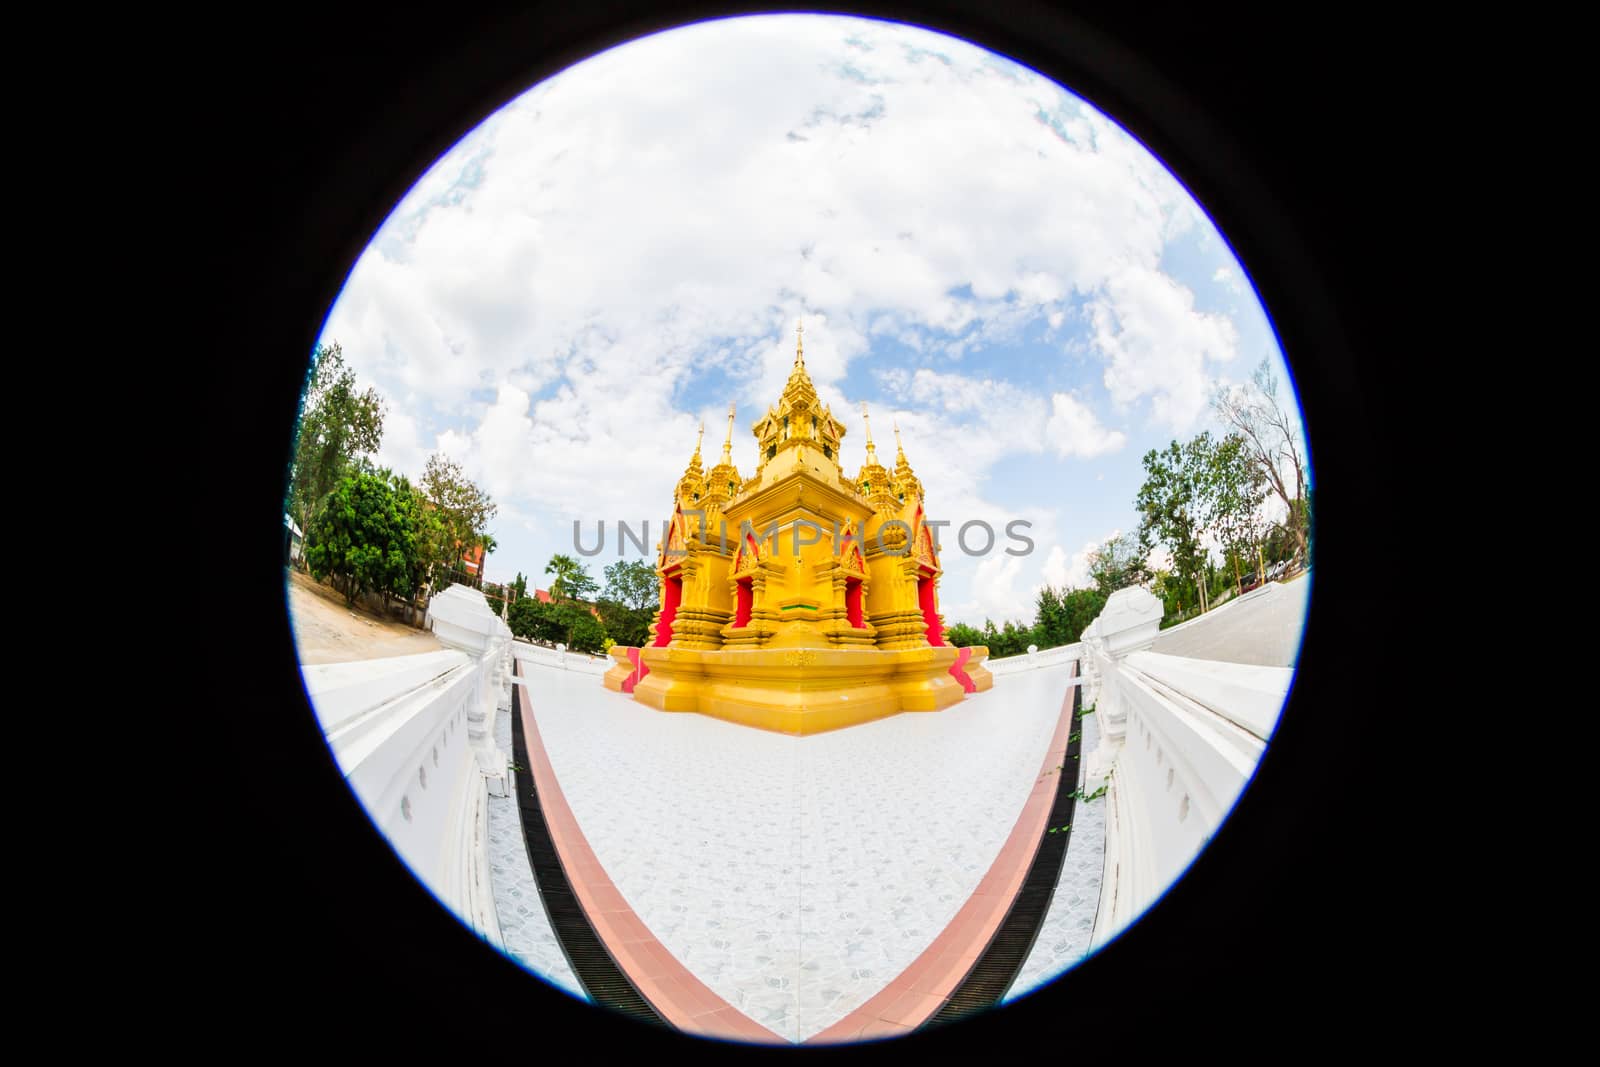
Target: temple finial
(867,421)
(898,447)
(800,343)
(727,444)
(698,437)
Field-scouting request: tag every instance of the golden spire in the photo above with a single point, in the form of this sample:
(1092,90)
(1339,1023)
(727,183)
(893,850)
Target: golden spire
(905,479)
(727,444)
(872,449)
(799,343)
(697,439)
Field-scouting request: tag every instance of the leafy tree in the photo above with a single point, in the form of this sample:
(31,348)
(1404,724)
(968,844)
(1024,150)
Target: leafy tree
(629,601)
(634,583)
(460,518)
(1063,614)
(1178,596)
(1011,640)
(627,626)
(1050,620)
(560,621)
(584,632)
(535,621)
(1080,607)
(1233,489)
(1119,563)
(364,536)
(572,580)
(1171,507)
(338,423)
(1275,445)
(963,636)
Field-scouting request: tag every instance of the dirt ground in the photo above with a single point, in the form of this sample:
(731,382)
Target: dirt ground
(328,631)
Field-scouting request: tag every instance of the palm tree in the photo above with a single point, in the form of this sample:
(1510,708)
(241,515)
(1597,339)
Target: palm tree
(572,578)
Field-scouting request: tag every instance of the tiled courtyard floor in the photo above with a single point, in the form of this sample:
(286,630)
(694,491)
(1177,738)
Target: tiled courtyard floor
(795,877)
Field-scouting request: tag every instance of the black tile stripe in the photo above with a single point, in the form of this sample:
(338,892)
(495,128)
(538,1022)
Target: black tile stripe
(597,972)
(994,972)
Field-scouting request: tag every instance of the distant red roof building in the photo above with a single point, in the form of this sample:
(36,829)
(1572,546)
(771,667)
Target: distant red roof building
(544,597)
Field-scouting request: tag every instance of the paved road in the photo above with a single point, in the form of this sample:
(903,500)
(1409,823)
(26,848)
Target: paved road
(1264,631)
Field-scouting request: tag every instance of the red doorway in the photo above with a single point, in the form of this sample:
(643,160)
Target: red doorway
(930,612)
(744,604)
(672,596)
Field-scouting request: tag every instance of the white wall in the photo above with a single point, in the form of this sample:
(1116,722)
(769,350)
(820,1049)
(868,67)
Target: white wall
(1180,738)
(413,736)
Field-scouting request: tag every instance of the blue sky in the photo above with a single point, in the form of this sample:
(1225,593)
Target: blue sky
(976,253)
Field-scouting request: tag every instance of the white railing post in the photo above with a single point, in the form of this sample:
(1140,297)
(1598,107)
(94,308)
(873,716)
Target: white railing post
(1129,623)
(460,618)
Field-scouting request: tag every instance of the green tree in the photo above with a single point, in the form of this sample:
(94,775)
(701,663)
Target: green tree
(1063,614)
(1080,607)
(1233,490)
(634,583)
(536,621)
(339,422)
(364,536)
(460,519)
(1010,640)
(572,580)
(1175,594)
(1119,563)
(1171,507)
(963,636)
(629,602)
(584,632)
(1050,619)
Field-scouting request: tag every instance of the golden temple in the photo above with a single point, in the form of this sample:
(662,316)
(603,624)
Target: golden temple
(798,600)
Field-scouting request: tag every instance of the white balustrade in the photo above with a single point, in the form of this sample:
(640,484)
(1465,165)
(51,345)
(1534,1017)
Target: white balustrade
(1179,739)
(1035,660)
(561,660)
(413,736)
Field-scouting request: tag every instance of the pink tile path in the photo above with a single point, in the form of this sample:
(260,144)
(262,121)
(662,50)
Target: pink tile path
(677,995)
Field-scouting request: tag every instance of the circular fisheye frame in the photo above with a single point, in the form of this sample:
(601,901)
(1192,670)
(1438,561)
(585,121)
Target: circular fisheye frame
(839,482)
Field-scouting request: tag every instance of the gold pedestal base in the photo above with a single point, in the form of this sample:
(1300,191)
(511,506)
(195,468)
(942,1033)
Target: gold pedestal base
(798,691)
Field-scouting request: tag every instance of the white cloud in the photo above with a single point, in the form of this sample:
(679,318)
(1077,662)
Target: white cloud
(548,294)
(1063,573)
(656,189)
(1057,572)
(996,595)
(1158,346)
(1073,430)
(1229,279)
(403,448)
